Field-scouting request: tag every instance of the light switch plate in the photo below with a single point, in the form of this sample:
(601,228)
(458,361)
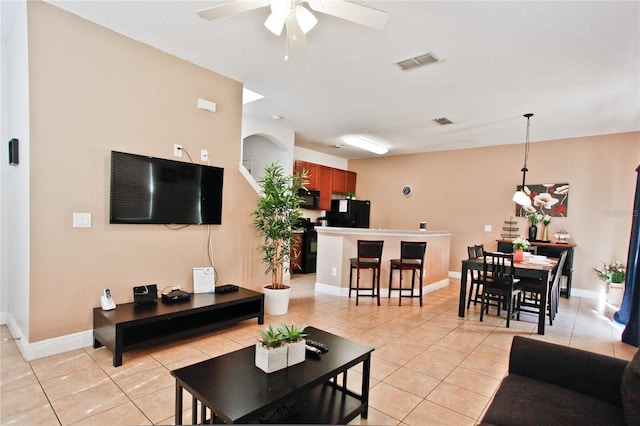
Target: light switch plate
(488,228)
(82,220)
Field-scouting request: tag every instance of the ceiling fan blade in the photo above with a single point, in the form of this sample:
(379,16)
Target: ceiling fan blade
(351,12)
(297,41)
(275,23)
(231,8)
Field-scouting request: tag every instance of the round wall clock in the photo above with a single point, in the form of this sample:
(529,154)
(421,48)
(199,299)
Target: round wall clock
(407,191)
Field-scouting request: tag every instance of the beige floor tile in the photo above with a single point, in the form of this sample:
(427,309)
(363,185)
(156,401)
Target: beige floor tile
(174,353)
(92,401)
(458,399)
(376,418)
(160,404)
(392,401)
(130,367)
(17,377)
(60,386)
(124,414)
(61,364)
(42,415)
(146,382)
(473,381)
(21,399)
(429,413)
(413,382)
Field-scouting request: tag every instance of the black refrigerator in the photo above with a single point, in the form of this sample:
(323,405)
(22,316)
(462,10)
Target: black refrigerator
(349,213)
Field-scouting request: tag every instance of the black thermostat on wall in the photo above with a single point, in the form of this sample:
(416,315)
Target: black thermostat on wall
(13,151)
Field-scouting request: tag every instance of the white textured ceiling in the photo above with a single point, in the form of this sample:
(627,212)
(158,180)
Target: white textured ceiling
(574,64)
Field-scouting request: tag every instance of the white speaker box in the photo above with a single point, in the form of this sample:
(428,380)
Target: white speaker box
(203,280)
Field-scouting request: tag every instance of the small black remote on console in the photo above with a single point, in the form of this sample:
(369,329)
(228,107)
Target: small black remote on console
(321,346)
(312,350)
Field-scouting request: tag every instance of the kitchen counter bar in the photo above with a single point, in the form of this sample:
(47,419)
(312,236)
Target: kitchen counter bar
(337,245)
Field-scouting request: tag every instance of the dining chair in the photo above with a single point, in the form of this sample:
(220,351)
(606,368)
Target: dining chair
(499,284)
(369,256)
(474,252)
(411,259)
(532,290)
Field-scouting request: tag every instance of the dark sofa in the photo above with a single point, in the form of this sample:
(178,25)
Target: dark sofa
(550,384)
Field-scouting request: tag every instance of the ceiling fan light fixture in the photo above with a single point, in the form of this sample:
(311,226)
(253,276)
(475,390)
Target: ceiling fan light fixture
(275,23)
(306,20)
(366,144)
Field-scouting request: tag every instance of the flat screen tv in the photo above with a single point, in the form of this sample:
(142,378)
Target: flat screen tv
(158,191)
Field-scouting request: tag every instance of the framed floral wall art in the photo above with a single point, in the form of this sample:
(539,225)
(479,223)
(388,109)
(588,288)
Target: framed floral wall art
(546,198)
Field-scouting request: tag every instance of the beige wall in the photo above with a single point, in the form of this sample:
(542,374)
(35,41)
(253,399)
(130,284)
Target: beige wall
(93,91)
(463,190)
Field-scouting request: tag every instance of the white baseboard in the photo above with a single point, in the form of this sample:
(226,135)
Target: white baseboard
(344,291)
(48,347)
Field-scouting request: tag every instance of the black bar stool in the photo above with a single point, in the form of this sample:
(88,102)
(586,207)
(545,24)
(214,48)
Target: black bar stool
(411,259)
(369,257)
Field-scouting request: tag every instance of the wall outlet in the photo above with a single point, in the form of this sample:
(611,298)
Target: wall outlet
(204,155)
(177,150)
(488,228)
(82,220)
(334,271)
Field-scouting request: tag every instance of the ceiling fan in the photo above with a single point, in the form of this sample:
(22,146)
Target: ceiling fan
(297,19)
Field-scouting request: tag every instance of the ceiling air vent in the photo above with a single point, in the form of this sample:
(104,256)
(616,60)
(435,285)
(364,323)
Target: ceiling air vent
(443,121)
(418,61)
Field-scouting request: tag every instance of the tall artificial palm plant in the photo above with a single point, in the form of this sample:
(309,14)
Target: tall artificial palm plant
(275,218)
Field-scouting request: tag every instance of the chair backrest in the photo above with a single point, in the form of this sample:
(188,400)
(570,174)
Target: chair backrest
(498,265)
(557,270)
(531,249)
(479,250)
(471,251)
(412,251)
(370,249)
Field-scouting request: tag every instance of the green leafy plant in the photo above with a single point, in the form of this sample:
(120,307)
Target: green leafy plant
(275,218)
(520,243)
(271,337)
(534,218)
(292,334)
(612,273)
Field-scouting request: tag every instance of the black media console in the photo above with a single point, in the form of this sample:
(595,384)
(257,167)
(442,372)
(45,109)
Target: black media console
(133,326)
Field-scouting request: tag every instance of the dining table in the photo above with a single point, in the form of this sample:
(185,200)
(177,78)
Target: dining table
(540,269)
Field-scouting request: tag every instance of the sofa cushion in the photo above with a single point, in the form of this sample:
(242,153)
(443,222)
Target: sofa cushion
(630,390)
(540,403)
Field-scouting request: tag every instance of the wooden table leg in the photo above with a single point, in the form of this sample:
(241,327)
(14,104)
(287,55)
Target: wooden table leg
(178,413)
(463,291)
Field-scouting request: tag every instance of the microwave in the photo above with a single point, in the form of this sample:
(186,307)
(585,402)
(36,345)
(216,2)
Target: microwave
(310,199)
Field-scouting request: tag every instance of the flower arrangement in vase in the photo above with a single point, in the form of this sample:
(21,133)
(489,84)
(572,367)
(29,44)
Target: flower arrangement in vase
(546,220)
(612,273)
(534,218)
(519,244)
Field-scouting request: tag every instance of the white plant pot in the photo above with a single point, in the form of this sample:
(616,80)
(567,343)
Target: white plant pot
(276,302)
(615,293)
(270,360)
(297,352)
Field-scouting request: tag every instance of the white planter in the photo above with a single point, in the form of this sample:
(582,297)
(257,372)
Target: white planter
(276,302)
(297,352)
(270,360)
(614,295)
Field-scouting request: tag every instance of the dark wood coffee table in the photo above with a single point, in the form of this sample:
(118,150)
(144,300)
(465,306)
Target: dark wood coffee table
(231,389)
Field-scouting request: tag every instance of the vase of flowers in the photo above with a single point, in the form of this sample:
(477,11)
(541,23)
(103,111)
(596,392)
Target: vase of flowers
(546,220)
(533,218)
(519,244)
(613,275)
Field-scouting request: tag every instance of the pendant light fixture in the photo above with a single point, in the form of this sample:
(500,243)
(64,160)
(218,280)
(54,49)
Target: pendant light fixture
(521,197)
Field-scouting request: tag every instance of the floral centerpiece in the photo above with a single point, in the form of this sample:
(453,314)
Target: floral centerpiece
(534,218)
(546,220)
(612,273)
(519,244)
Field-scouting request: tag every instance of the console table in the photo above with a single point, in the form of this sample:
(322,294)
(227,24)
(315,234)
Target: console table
(550,250)
(133,326)
(231,389)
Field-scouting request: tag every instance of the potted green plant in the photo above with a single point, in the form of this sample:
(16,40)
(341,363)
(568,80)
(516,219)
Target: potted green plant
(271,354)
(275,217)
(295,342)
(613,275)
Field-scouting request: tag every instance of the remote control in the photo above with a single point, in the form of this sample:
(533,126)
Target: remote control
(321,346)
(313,350)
